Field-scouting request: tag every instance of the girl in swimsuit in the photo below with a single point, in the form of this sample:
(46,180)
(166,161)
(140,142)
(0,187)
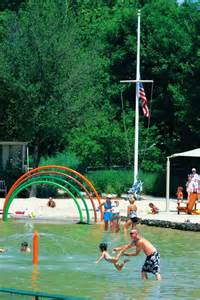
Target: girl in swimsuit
(107,215)
(111,259)
(131,213)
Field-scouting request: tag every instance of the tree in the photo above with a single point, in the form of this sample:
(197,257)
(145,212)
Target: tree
(101,141)
(45,73)
(11,4)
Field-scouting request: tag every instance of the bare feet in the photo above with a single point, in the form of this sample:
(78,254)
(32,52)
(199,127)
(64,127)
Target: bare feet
(120,266)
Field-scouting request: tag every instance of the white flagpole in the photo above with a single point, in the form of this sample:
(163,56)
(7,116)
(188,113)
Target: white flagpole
(137,81)
(137,103)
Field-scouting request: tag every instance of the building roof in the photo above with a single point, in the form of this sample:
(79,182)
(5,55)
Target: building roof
(14,143)
(191,153)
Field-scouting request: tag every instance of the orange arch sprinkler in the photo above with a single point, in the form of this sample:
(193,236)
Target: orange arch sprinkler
(52,168)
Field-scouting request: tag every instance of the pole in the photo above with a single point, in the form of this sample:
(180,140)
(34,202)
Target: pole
(35,248)
(137,103)
(137,82)
(167,184)
(27,157)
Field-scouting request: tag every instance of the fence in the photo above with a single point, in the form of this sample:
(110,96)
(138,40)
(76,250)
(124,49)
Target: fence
(7,294)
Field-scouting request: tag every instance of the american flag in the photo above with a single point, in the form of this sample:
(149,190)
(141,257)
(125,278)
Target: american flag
(143,98)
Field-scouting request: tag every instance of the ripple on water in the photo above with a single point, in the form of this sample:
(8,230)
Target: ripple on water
(66,263)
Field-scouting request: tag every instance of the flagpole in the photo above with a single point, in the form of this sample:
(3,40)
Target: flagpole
(137,82)
(137,103)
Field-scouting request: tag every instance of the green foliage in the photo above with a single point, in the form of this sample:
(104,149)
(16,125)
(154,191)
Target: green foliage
(111,181)
(45,75)
(169,55)
(67,159)
(120,181)
(5,17)
(150,145)
(100,142)
(153,183)
(11,4)
(60,67)
(46,191)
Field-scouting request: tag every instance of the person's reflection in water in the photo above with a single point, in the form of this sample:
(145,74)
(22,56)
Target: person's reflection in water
(150,290)
(35,277)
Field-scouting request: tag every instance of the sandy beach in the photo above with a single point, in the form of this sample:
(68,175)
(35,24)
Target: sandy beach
(36,208)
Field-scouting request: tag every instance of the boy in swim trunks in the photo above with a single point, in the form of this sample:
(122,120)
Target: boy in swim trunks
(24,247)
(111,259)
(152,262)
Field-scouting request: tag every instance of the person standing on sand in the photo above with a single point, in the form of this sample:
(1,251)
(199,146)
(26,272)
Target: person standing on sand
(194,174)
(152,262)
(189,187)
(195,179)
(115,217)
(107,215)
(179,195)
(131,213)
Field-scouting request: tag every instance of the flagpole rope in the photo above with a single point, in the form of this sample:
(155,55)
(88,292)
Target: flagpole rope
(148,126)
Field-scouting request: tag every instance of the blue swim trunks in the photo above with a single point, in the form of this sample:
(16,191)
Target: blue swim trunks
(152,263)
(107,216)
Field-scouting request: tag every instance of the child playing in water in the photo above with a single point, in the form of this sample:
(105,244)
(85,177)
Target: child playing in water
(2,250)
(112,259)
(154,209)
(179,195)
(115,227)
(25,247)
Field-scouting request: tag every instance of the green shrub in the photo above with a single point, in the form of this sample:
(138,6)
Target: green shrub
(120,181)
(111,181)
(67,159)
(153,183)
(46,191)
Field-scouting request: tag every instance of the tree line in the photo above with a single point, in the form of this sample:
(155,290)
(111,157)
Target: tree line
(61,63)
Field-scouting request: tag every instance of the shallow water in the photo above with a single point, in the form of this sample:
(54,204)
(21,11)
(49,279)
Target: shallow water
(66,263)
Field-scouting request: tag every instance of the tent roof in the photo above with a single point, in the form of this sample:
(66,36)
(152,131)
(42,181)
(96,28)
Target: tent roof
(191,153)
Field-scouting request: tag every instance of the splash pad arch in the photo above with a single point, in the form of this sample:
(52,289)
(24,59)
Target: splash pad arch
(67,179)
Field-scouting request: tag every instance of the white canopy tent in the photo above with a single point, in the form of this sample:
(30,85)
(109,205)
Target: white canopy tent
(191,153)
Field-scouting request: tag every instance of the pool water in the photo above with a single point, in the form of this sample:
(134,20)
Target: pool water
(67,255)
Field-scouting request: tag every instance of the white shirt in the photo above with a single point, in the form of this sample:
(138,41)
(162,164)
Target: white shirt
(194,176)
(115,209)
